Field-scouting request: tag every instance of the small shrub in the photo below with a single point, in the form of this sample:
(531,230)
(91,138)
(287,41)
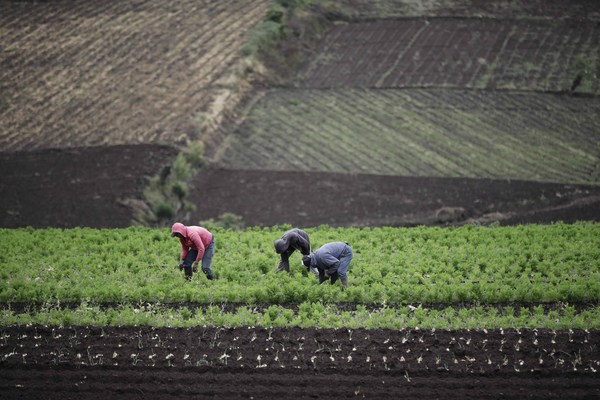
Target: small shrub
(275,14)
(182,169)
(294,3)
(179,190)
(226,220)
(194,154)
(164,211)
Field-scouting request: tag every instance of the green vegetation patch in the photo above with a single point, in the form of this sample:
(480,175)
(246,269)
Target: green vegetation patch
(394,266)
(310,315)
(421,132)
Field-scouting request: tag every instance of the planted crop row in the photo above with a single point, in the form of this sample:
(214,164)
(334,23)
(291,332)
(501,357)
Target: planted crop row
(434,132)
(556,263)
(309,315)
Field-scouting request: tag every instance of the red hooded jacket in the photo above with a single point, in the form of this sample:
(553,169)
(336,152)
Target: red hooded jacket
(194,237)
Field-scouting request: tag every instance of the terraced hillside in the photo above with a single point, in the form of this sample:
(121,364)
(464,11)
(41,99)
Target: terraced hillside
(520,54)
(401,94)
(82,73)
(445,94)
(422,132)
(547,9)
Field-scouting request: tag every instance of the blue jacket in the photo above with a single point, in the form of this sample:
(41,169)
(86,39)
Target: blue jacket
(327,257)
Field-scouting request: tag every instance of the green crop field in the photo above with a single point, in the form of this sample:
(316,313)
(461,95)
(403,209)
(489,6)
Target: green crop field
(422,132)
(445,277)
(356,113)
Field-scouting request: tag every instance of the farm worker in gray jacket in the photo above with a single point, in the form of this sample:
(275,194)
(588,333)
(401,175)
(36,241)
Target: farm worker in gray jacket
(332,261)
(292,240)
(197,244)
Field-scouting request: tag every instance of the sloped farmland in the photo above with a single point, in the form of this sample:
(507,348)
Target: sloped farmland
(422,132)
(380,9)
(522,54)
(81,73)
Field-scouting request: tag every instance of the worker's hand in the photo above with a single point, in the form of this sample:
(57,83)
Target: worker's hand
(195,266)
(327,275)
(181,265)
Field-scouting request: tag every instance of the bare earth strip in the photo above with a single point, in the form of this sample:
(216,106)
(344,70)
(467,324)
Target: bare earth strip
(421,132)
(142,362)
(33,382)
(466,53)
(78,186)
(379,9)
(267,198)
(122,72)
(89,187)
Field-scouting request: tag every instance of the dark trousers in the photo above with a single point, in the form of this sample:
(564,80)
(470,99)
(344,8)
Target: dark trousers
(206,260)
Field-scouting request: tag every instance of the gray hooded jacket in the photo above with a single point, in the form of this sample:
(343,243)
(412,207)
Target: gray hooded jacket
(327,257)
(294,239)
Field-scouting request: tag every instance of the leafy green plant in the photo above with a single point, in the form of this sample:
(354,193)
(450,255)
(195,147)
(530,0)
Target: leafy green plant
(164,211)
(584,68)
(226,220)
(166,193)
(396,266)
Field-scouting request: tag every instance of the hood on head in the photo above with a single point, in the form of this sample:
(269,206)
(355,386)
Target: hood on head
(280,246)
(178,228)
(306,260)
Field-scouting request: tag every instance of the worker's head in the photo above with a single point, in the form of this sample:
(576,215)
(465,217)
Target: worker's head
(178,230)
(306,261)
(280,246)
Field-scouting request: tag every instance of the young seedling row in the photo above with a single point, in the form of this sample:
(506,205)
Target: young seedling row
(405,350)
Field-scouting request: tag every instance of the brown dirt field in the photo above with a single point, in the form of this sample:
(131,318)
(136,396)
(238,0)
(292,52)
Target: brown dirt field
(143,362)
(81,73)
(86,187)
(517,54)
(76,187)
(268,198)
(373,9)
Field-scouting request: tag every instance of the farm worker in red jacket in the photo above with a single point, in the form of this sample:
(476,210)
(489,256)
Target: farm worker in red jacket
(197,244)
(332,261)
(292,240)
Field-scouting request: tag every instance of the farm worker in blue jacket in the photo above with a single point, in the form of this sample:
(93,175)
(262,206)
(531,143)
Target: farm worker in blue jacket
(292,240)
(197,244)
(332,261)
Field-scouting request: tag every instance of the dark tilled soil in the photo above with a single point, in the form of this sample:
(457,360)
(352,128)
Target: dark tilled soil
(576,9)
(90,187)
(202,383)
(76,187)
(142,362)
(312,198)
